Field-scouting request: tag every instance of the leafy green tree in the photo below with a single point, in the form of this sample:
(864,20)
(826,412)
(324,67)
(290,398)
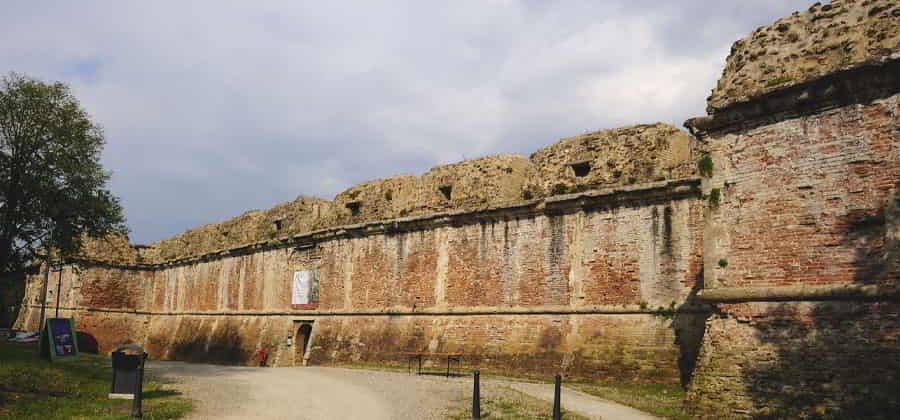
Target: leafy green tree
(52,187)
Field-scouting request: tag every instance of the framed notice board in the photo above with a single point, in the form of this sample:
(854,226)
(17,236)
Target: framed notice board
(59,339)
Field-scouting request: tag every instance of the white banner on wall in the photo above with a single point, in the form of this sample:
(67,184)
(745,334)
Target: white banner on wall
(301,288)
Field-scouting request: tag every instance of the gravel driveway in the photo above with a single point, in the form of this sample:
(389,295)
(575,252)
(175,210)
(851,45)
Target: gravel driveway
(232,392)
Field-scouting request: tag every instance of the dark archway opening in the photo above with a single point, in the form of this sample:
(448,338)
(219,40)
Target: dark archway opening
(301,342)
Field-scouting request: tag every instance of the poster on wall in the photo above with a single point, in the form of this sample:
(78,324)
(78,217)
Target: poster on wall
(306,288)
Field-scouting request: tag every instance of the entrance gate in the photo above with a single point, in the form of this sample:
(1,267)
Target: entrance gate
(301,341)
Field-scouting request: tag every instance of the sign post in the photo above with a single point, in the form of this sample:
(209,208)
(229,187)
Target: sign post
(59,339)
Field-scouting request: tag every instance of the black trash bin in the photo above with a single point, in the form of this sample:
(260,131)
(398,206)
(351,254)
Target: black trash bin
(128,375)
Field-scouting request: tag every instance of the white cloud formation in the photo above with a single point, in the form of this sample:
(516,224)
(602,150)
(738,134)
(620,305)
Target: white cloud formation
(211,109)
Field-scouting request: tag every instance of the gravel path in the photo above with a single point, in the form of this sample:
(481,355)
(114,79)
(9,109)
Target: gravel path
(230,392)
(584,404)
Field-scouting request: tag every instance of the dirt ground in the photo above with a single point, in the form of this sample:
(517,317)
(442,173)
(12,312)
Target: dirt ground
(231,392)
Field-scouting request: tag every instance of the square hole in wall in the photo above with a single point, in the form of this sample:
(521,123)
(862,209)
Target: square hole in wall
(446,191)
(581,168)
(354,207)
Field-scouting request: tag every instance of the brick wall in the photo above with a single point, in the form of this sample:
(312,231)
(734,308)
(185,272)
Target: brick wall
(577,289)
(811,201)
(804,200)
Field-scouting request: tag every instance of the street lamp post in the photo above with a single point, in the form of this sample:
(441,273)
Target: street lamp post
(58,287)
(48,247)
(43,306)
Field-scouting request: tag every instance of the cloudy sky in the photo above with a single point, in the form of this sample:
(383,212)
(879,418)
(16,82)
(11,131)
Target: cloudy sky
(212,109)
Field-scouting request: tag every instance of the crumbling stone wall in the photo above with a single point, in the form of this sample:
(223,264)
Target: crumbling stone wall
(381,199)
(493,181)
(302,215)
(625,156)
(804,46)
(621,156)
(114,247)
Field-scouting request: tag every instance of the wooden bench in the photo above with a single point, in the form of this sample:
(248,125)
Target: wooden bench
(419,355)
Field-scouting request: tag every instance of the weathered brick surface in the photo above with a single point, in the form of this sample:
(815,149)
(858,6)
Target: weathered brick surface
(800,360)
(641,254)
(631,347)
(825,222)
(805,201)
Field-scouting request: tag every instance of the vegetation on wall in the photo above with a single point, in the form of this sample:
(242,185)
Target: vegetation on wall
(715,196)
(705,165)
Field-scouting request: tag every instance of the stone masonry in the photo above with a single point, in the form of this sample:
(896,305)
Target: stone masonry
(469,258)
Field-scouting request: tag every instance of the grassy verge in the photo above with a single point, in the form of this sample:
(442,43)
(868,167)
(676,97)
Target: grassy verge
(384,366)
(34,388)
(507,403)
(663,400)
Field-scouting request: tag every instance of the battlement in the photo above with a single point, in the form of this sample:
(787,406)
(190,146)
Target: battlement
(601,159)
(824,39)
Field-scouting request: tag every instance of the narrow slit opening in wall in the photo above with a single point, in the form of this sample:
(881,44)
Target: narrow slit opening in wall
(581,168)
(389,195)
(354,207)
(447,191)
(278,224)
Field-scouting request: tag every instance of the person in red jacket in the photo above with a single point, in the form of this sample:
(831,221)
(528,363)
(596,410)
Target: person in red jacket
(263,356)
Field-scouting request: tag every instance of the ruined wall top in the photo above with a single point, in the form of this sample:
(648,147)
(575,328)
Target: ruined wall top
(114,248)
(622,156)
(385,198)
(804,46)
(475,184)
(301,215)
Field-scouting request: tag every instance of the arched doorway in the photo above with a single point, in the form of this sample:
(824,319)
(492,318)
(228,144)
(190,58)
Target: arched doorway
(301,342)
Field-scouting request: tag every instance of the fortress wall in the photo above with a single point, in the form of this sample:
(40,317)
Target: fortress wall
(793,234)
(592,286)
(807,235)
(803,248)
(805,200)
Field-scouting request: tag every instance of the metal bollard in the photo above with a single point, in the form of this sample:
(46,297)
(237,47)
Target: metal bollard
(476,398)
(557,409)
(137,404)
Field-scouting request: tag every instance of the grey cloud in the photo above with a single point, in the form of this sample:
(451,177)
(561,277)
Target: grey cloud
(212,109)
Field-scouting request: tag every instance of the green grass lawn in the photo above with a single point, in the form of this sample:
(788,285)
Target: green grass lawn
(663,400)
(34,388)
(508,404)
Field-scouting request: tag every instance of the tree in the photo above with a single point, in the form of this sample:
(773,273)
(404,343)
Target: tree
(52,187)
